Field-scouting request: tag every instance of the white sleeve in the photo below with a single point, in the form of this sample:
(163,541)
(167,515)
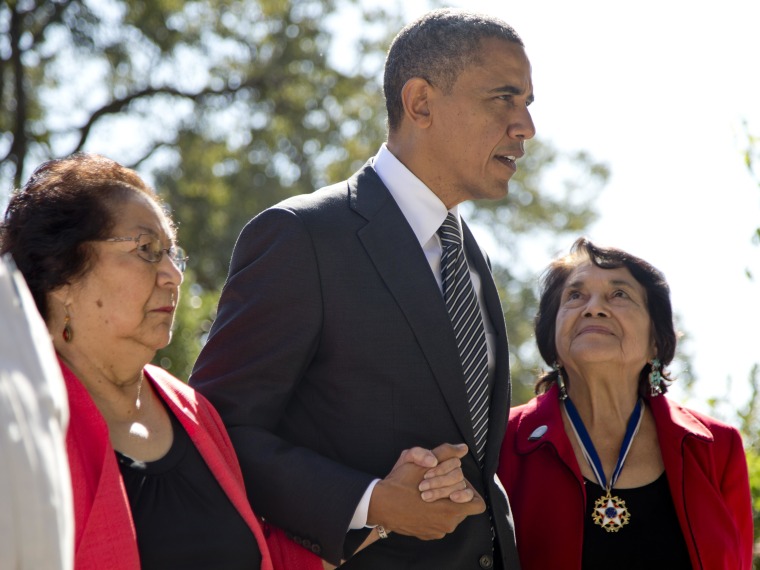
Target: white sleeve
(362,510)
(36,521)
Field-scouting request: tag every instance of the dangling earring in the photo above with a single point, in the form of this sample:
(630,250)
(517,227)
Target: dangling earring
(67,334)
(655,378)
(560,382)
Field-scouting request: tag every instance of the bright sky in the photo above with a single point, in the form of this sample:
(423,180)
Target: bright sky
(659,91)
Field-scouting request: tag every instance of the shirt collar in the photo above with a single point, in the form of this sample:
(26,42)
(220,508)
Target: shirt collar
(422,209)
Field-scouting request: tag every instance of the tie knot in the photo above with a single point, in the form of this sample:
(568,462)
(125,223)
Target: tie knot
(449,231)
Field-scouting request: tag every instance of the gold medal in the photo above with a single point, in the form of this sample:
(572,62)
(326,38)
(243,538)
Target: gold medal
(610,513)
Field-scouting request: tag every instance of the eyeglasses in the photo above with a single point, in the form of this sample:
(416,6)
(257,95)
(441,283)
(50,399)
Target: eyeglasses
(149,248)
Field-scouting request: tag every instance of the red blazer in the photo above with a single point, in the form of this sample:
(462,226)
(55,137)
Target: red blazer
(104,531)
(704,461)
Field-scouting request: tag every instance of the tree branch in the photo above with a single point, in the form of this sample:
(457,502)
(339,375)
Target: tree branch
(118,105)
(136,164)
(17,152)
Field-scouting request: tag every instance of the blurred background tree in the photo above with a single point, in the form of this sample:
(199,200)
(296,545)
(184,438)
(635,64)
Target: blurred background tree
(227,107)
(749,416)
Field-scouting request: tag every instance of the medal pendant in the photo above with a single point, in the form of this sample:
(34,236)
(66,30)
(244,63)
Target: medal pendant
(610,513)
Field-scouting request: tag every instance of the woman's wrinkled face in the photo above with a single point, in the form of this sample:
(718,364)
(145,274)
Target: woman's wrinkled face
(603,318)
(124,302)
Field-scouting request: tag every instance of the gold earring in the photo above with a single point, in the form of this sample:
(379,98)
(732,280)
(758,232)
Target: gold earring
(68,334)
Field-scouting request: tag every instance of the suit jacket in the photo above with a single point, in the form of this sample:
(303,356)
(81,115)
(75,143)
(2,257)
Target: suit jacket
(705,466)
(333,351)
(104,530)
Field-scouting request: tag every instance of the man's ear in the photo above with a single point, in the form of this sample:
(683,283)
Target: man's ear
(415,95)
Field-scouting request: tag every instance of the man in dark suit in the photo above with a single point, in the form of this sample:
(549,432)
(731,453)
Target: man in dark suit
(334,347)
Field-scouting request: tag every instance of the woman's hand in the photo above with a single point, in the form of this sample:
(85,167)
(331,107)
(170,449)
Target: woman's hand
(446,480)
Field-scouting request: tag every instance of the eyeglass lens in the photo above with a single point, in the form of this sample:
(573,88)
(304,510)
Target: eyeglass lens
(150,249)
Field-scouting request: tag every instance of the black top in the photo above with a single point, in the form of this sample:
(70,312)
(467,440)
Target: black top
(652,539)
(182,516)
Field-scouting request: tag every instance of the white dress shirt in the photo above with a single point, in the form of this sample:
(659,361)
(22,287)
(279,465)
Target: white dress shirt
(425,213)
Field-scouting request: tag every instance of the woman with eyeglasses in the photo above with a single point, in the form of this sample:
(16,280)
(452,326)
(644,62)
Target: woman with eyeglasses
(155,479)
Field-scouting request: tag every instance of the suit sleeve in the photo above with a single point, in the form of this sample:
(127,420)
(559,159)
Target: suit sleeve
(259,350)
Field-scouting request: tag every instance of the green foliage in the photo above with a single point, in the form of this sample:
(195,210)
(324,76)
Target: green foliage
(227,107)
(753,463)
(749,416)
(751,156)
(195,313)
(750,429)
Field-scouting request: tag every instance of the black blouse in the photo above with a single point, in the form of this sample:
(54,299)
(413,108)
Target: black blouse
(182,516)
(651,540)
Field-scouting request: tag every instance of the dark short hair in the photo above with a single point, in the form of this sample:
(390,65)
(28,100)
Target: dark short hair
(437,47)
(64,205)
(658,304)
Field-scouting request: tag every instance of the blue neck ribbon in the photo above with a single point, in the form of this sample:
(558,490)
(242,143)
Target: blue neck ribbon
(589,451)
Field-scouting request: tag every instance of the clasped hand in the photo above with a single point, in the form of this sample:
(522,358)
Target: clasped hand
(426,494)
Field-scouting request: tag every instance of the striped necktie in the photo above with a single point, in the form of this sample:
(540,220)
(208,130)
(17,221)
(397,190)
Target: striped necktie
(464,311)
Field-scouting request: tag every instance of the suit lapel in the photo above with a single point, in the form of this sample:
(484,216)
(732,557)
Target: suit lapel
(413,286)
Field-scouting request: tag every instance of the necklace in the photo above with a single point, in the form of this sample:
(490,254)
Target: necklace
(138,402)
(138,429)
(610,511)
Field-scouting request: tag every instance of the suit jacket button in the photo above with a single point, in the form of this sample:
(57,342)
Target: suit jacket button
(316,549)
(486,561)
